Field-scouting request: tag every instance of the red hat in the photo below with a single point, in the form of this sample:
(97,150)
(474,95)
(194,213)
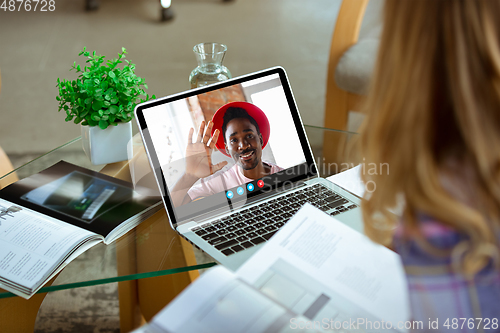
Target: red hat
(252,110)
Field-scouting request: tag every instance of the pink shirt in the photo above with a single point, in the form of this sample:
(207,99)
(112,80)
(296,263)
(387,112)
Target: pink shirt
(223,180)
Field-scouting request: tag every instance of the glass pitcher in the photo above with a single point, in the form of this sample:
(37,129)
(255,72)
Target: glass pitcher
(210,69)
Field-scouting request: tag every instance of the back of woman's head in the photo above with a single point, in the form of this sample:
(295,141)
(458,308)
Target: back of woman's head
(433,114)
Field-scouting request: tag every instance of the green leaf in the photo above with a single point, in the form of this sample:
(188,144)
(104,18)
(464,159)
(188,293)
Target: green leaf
(103,124)
(113,109)
(97,105)
(102,91)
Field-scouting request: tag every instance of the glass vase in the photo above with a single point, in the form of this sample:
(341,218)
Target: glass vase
(210,69)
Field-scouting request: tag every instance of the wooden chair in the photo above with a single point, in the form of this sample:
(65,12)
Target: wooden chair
(353,51)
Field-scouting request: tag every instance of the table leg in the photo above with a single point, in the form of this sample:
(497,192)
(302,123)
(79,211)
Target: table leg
(164,249)
(151,246)
(18,314)
(130,317)
(130,313)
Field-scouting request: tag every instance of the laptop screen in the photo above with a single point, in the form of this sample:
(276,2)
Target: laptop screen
(222,147)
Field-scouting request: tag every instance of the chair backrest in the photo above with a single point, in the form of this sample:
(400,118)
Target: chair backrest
(345,34)
(346,31)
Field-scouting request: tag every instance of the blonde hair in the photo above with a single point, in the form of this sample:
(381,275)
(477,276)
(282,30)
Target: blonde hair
(433,114)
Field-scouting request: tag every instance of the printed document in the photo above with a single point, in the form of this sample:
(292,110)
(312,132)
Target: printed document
(315,274)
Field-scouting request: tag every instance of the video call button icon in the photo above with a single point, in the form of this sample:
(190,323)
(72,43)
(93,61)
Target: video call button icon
(240,190)
(260,183)
(250,187)
(229,194)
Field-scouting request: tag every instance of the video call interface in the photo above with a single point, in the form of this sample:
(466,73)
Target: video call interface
(219,148)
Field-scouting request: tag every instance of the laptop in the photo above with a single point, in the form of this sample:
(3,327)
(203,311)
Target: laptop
(233,164)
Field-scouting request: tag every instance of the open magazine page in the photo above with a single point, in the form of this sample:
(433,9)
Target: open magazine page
(218,302)
(332,275)
(32,246)
(84,198)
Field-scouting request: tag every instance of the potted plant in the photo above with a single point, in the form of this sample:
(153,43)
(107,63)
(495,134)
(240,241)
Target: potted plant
(102,99)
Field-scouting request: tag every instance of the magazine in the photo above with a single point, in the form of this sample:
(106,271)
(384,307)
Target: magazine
(316,274)
(49,218)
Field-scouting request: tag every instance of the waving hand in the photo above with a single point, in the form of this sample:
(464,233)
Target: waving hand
(199,153)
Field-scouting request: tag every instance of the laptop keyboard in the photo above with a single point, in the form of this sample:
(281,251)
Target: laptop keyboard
(255,225)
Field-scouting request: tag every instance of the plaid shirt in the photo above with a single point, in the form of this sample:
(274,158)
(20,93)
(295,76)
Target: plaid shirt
(438,293)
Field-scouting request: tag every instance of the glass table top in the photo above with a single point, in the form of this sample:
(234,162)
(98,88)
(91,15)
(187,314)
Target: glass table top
(153,248)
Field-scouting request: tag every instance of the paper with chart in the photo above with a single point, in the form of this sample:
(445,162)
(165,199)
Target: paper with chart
(320,268)
(219,302)
(314,270)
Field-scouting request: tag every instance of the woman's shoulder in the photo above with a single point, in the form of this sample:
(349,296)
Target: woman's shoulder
(435,250)
(430,259)
(430,232)
(432,244)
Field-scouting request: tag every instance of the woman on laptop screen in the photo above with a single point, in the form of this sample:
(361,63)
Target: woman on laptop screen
(433,114)
(239,130)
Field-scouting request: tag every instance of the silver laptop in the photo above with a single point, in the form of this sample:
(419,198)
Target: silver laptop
(233,164)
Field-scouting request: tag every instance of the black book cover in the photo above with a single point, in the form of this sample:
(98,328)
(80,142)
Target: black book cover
(79,196)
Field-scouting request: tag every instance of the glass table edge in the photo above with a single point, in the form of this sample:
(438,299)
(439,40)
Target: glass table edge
(79,138)
(330,129)
(123,278)
(41,156)
(137,276)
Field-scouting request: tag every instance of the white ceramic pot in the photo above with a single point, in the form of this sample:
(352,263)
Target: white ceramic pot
(109,145)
